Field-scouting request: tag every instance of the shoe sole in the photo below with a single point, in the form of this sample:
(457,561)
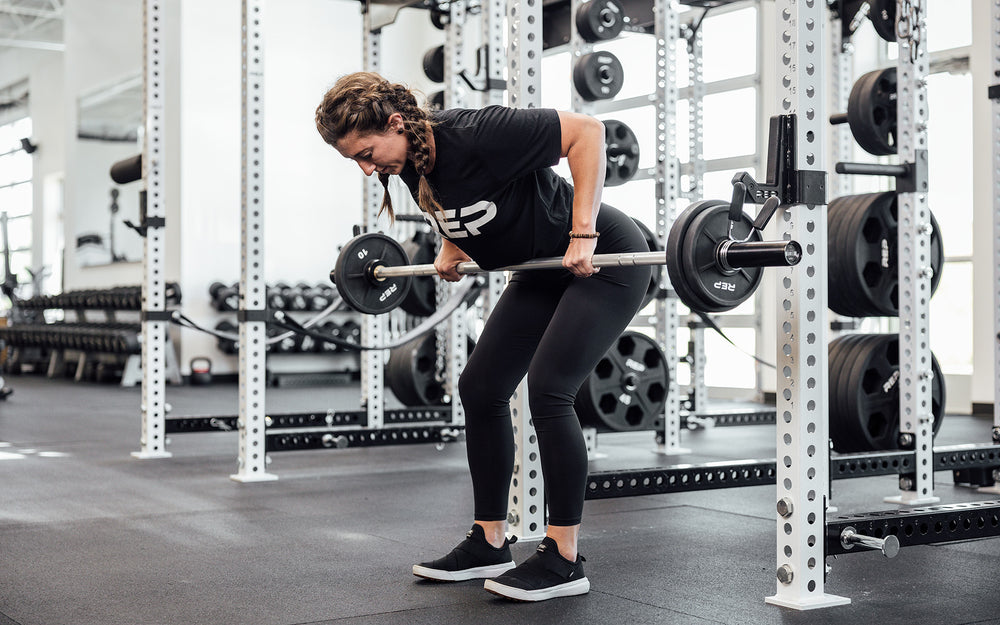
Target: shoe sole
(479,572)
(569,589)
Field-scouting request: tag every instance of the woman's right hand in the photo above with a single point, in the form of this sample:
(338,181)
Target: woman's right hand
(448,259)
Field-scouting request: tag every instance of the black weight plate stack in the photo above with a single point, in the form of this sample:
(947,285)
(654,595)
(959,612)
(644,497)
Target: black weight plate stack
(434,64)
(627,389)
(863,278)
(598,76)
(654,279)
(410,373)
(600,20)
(622,149)
(691,258)
(353,274)
(883,17)
(871,111)
(864,393)
(421,301)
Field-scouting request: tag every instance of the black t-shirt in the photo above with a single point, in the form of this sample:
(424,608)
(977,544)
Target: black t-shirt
(503,204)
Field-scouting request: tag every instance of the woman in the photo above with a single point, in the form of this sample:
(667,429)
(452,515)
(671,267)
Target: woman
(483,178)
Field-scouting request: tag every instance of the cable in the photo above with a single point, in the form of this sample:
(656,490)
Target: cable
(466,293)
(710,323)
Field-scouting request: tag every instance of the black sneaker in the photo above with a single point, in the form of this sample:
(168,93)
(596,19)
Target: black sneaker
(473,558)
(545,575)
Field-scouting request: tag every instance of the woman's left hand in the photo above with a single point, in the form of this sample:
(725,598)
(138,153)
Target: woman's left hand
(578,257)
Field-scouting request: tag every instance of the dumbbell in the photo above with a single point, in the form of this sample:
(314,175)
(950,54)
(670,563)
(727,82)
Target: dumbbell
(224,298)
(227,346)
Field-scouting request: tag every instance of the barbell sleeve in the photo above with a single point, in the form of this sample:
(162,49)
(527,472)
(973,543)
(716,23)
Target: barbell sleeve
(732,255)
(889,546)
(838,118)
(872,169)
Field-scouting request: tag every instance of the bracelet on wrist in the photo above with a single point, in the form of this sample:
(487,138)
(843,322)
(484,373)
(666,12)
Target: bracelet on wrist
(584,235)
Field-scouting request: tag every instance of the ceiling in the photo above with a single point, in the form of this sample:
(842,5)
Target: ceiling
(32,24)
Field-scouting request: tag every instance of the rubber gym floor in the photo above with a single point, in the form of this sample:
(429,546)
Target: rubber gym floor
(91,535)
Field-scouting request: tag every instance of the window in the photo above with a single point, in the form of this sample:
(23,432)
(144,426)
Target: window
(16,197)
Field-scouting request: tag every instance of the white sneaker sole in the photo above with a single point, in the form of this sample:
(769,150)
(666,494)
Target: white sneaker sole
(569,589)
(479,572)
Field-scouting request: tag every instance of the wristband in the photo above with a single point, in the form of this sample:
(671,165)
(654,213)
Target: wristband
(584,235)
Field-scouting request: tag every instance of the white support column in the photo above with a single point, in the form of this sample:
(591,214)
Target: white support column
(452,337)
(696,117)
(577,48)
(493,14)
(802,425)
(253,290)
(699,360)
(698,395)
(916,418)
(995,56)
(666,30)
(373,327)
(154,331)
(526,516)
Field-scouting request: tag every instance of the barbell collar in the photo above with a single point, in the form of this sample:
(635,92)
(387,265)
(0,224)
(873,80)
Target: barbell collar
(382,272)
(733,255)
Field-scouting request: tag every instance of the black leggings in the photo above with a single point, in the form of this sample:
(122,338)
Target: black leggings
(555,327)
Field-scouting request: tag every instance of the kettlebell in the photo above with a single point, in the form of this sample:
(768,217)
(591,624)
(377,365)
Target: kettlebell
(201,371)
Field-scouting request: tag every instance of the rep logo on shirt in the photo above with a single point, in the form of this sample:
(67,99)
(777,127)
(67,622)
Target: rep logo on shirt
(463,222)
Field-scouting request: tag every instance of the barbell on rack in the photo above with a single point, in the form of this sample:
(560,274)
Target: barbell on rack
(715,260)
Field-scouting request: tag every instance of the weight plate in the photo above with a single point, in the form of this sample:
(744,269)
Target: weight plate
(421,301)
(628,387)
(600,20)
(676,268)
(864,274)
(871,111)
(843,422)
(410,372)
(842,283)
(434,64)
(654,279)
(622,148)
(883,17)
(354,274)
(869,419)
(598,76)
(440,18)
(435,101)
(722,290)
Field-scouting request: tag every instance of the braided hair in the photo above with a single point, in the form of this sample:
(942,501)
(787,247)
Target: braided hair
(363,102)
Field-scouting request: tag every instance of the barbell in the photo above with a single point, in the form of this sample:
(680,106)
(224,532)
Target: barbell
(714,263)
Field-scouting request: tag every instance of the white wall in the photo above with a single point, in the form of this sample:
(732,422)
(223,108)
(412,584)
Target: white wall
(103,46)
(44,71)
(312,196)
(984,335)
